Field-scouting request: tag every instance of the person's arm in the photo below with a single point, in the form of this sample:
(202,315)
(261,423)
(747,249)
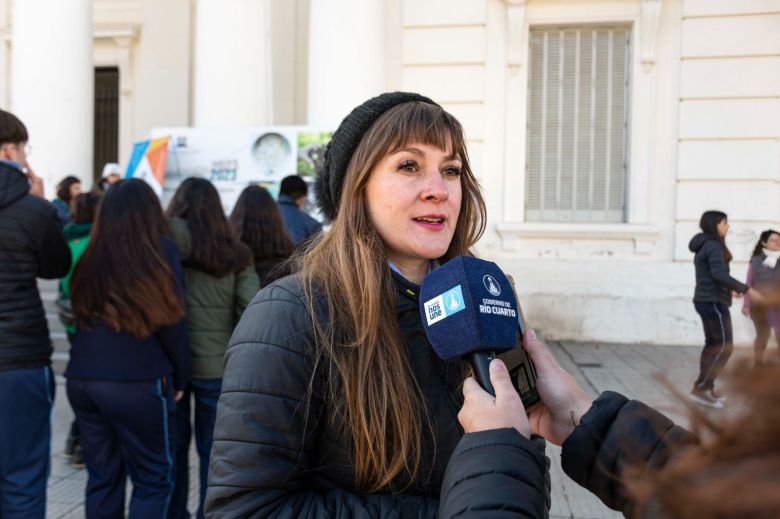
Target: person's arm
(266,426)
(52,251)
(496,470)
(246,287)
(719,270)
(174,338)
(749,283)
(602,438)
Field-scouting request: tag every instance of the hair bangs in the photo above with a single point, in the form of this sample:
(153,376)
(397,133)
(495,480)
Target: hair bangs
(423,123)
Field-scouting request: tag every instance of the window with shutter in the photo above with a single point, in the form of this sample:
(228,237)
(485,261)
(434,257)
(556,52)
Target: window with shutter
(577,157)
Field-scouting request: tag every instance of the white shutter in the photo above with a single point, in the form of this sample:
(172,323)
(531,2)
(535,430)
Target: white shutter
(577,124)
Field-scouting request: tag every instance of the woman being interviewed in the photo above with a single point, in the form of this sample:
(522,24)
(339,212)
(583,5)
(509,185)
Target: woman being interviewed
(129,355)
(333,401)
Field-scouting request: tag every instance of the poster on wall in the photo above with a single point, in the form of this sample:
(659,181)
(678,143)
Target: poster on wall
(233,159)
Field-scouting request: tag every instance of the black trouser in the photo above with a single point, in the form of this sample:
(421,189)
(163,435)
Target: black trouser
(718,342)
(763,332)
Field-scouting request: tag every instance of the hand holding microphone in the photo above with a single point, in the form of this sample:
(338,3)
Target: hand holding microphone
(482,412)
(563,402)
(470,313)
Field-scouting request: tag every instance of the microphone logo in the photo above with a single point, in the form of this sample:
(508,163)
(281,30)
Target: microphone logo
(491,285)
(444,305)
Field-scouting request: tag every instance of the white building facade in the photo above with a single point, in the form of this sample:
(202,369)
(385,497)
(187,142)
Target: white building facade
(600,130)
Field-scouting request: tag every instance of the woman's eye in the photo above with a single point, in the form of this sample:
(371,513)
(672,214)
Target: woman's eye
(408,165)
(453,171)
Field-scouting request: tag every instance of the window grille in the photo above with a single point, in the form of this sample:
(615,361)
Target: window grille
(577,165)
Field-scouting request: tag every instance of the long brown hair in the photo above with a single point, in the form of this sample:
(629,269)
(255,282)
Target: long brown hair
(216,249)
(370,382)
(123,278)
(258,223)
(735,471)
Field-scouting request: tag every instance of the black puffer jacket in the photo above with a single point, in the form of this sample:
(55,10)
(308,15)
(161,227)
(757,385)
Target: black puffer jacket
(31,245)
(713,280)
(614,434)
(276,456)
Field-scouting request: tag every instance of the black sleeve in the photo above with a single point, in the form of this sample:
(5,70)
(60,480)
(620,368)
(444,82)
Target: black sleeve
(265,432)
(497,473)
(174,338)
(614,434)
(52,250)
(719,270)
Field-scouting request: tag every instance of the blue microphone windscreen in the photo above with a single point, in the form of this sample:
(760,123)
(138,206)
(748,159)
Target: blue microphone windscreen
(468,305)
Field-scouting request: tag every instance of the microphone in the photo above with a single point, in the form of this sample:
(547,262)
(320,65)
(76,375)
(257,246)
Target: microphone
(470,312)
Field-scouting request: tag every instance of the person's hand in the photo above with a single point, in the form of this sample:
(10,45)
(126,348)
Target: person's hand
(736,294)
(482,412)
(756,297)
(36,182)
(563,402)
(745,311)
(179,395)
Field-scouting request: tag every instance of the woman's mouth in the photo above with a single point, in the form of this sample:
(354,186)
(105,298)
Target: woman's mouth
(431,221)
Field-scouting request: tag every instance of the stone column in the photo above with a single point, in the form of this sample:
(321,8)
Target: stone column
(347,57)
(233,63)
(52,86)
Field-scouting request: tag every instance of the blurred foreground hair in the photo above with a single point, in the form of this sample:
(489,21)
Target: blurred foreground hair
(123,277)
(734,473)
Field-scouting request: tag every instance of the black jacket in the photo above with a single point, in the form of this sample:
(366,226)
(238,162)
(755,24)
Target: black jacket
(614,434)
(278,454)
(713,282)
(31,245)
(300,226)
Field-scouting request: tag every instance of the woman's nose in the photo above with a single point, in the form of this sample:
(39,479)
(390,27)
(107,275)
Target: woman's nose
(435,187)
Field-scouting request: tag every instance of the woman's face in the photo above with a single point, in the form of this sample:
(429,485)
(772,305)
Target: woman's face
(723,227)
(75,190)
(413,198)
(773,242)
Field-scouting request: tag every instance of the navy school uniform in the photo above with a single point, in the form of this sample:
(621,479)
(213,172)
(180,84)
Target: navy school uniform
(122,391)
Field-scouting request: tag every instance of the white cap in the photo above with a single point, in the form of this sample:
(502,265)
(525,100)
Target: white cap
(111,168)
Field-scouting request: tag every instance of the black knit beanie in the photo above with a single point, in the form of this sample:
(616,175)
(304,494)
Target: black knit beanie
(330,178)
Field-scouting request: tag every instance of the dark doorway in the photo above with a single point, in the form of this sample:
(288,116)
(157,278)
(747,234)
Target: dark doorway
(106,137)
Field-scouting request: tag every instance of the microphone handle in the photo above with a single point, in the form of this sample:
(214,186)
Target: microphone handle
(480,362)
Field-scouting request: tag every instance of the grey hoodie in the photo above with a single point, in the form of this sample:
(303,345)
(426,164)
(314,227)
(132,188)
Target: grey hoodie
(713,282)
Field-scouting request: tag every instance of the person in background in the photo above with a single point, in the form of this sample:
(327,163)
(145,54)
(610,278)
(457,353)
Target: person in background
(83,208)
(221,281)
(130,355)
(764,275)
(68,188)
(712,299)
(258,222)
(111,175)
(292,195)
(31,245)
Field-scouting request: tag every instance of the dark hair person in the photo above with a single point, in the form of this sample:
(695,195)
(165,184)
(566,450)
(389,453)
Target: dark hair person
(764,275)
(67,189)
(712,300)
(333,402)
(83,208)
(258,222)
(129,358)
(292,196)
(221,281)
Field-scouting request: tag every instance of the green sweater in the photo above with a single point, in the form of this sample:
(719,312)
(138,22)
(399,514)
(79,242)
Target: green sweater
(214,306)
